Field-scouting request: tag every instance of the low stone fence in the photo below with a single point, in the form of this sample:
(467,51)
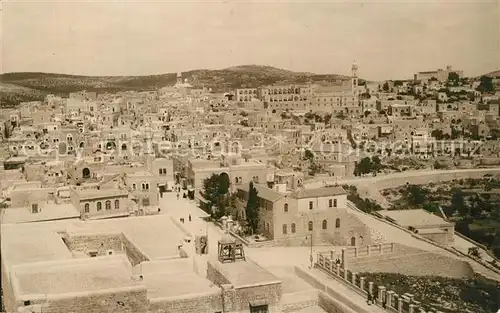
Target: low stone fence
(394,302)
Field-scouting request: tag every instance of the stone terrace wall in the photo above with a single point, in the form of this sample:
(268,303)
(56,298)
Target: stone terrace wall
(341,304)
(134,299)
(400,303)
(420,264)
(99,242)
(195,303)
(292,302)
(332,305)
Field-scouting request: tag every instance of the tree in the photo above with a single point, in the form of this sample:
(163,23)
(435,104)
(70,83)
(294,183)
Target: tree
(308,155)
(438,134)
(252,208)
(363,167)
(458,203)
(453,77)
(215,189)
(416,195)
(486,84)
(385,87)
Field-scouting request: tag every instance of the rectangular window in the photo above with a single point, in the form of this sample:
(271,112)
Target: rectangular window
(259,309)
(34,208)
(334,203)
(330,203)
(310,205)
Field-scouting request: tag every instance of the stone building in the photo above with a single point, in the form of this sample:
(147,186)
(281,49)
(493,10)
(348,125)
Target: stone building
(292,217)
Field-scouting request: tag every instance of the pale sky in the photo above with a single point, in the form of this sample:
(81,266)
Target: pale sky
(388,39)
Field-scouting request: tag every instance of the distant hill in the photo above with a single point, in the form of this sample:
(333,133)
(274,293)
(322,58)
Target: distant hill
(493,74)
(18,87)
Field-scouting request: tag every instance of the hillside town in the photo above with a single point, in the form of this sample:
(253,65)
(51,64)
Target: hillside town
(183,199)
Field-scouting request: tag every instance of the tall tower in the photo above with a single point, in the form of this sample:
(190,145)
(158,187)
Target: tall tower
(354,78)
(179,78)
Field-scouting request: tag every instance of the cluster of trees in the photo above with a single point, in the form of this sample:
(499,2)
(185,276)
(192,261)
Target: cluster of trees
(486,84)
(365,205)
(368,165)
(470,208)
(221,202)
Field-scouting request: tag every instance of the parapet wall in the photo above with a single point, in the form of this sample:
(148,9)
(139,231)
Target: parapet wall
(193,303)
(119,300)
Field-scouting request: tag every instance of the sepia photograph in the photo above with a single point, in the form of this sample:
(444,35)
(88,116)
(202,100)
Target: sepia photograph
(250,156)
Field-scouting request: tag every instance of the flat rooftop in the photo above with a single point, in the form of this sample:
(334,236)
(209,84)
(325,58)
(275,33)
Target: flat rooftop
(242,273)
(162,285)
(51,211)
(156,236)
(94,274)
(416,218)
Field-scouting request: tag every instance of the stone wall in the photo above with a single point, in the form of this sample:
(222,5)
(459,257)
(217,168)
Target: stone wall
(395,302)
(441,238)
(96,242)
(215,276)
(102,243)
(8,297)
(419,264)
(135,256)
(292,302)
(238,299)
(332,305)
(195,303)
(341,304)
(124,300)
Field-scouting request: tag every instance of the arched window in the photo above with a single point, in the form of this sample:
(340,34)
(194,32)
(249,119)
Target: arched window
(108,205)
(143,186)
(285,207)
(117,204)
(337,223)
(284,229)
(147,186)
(86,208)
(99,206)
(324,225)
(133,186)
(310,225)
(293,228)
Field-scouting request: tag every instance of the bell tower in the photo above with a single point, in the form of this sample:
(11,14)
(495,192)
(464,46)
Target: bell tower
(354,77)
(179,78)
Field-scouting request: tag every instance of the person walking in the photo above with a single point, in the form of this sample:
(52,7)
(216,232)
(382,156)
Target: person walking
(190,217)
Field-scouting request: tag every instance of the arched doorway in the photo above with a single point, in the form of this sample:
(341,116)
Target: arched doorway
(353,241)
(86,173)
(361,240)
(224,182)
